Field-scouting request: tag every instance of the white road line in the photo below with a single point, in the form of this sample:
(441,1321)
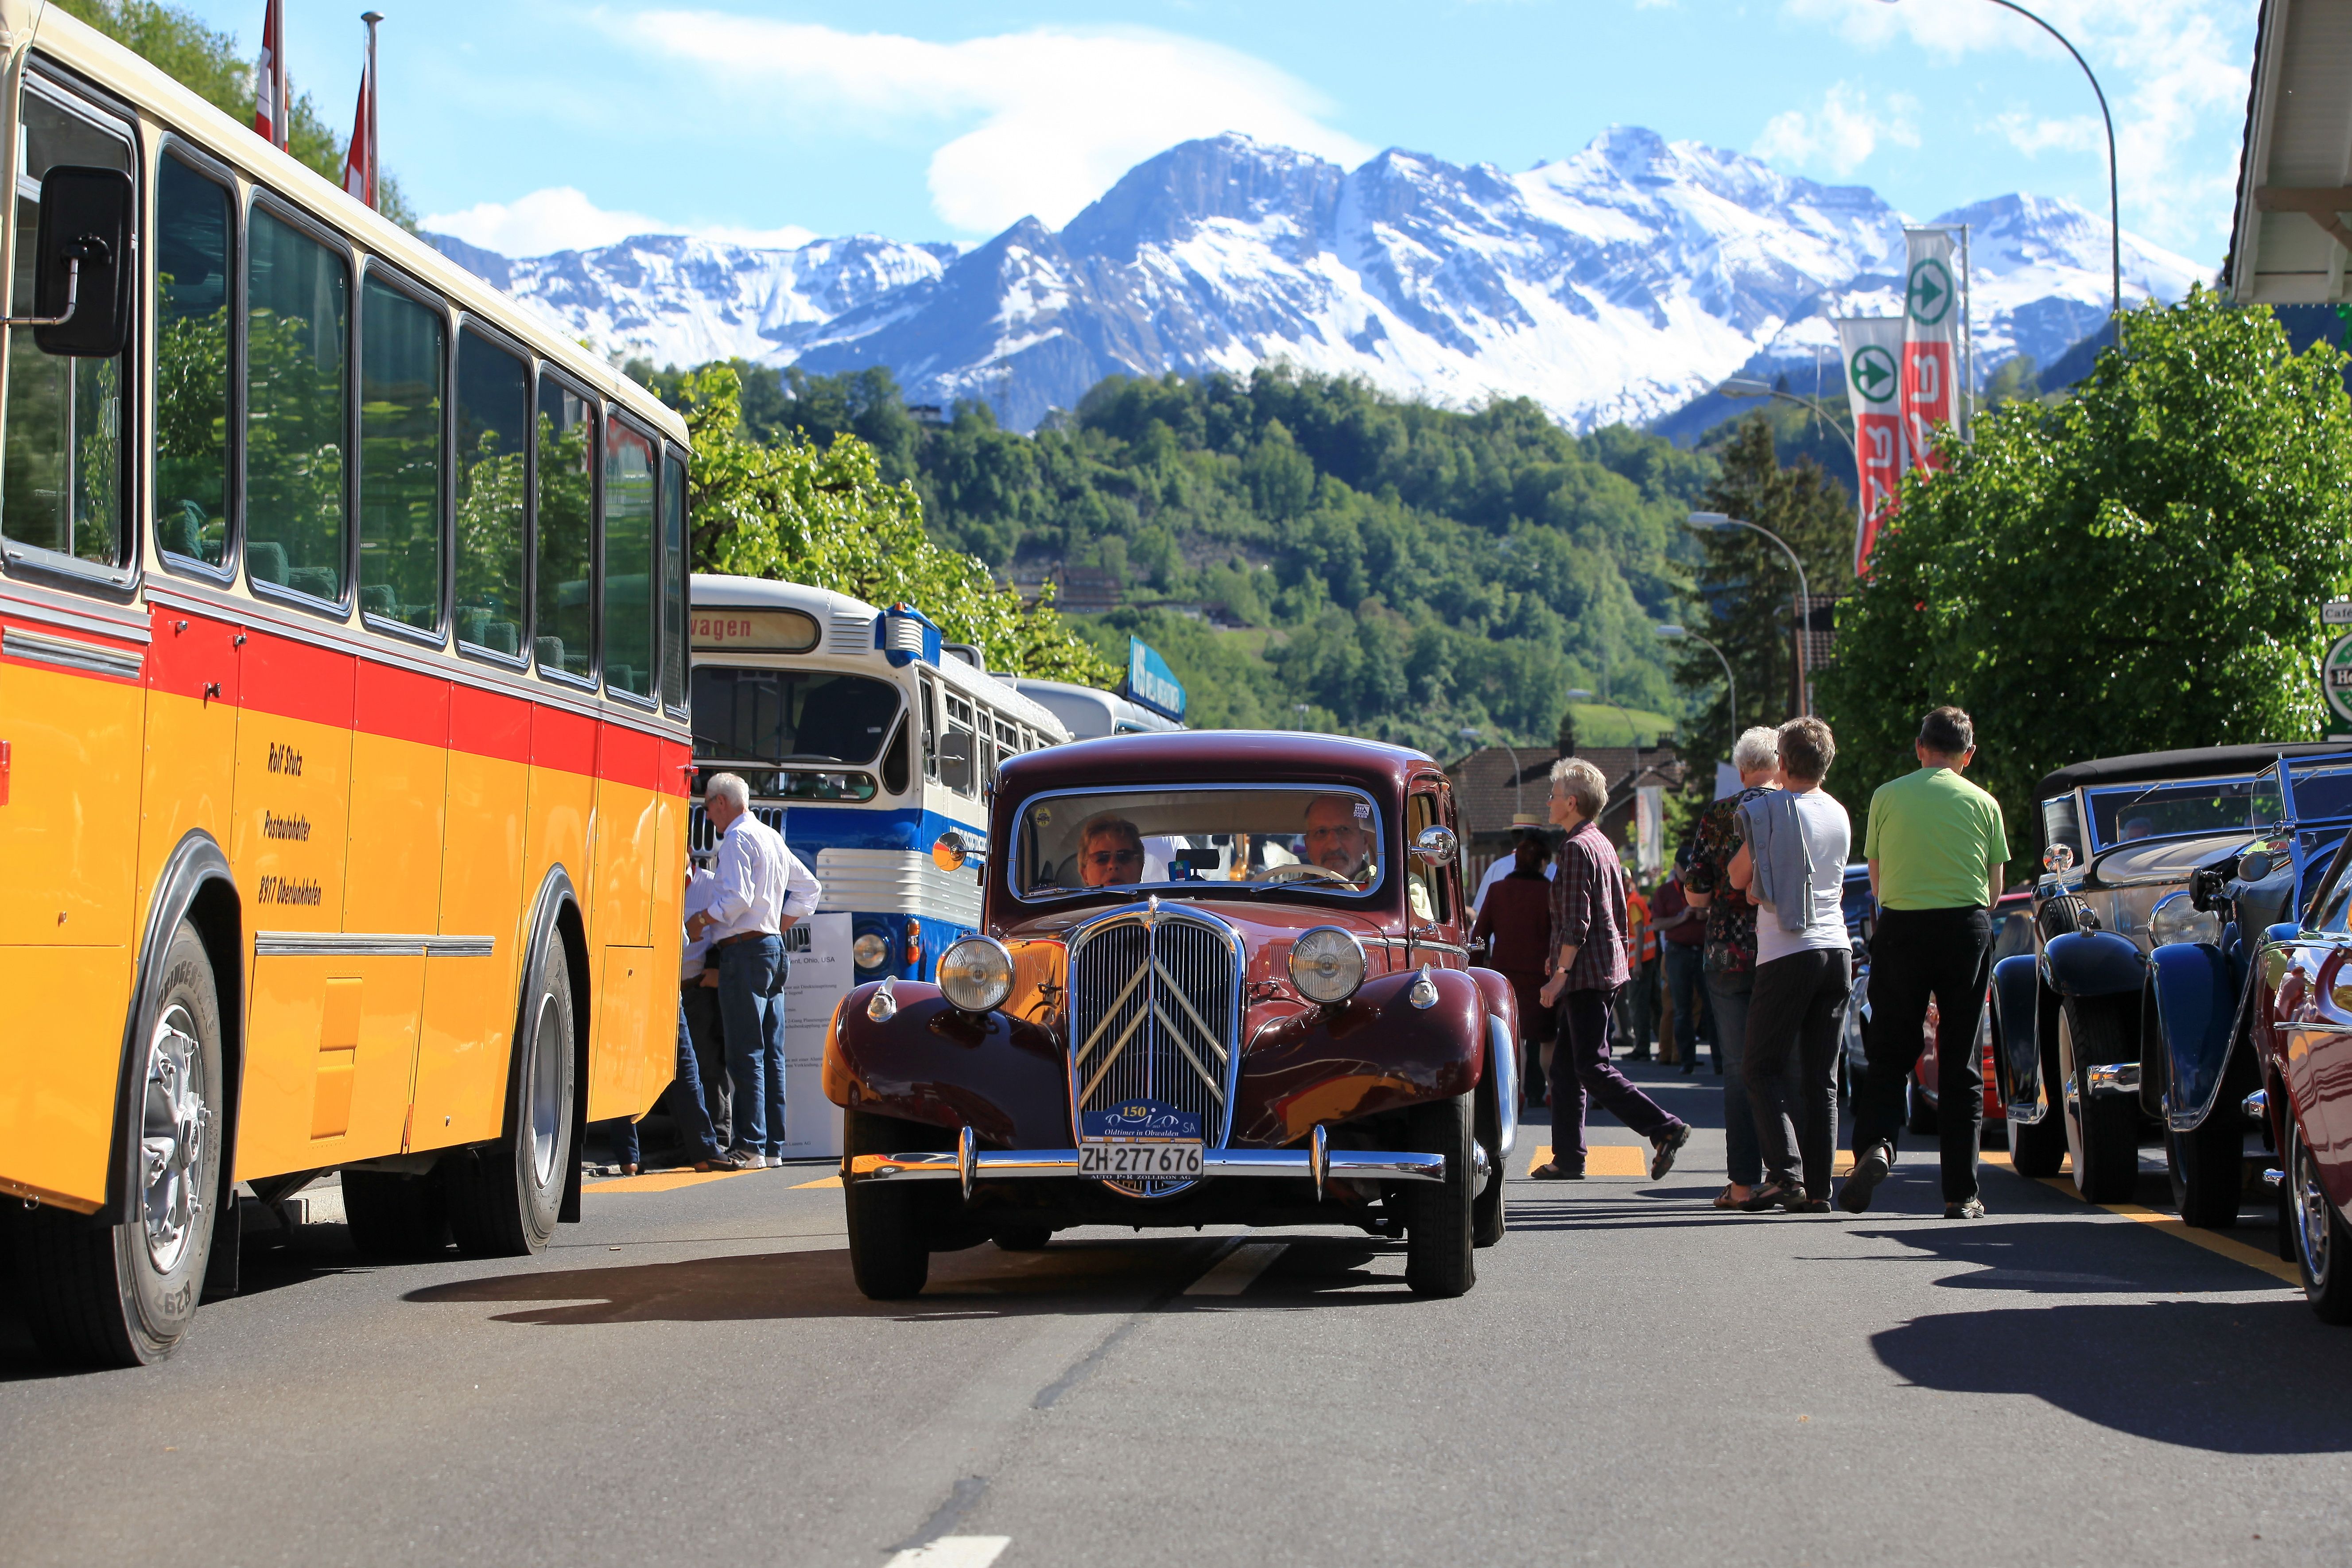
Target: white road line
(1238,1271)
(953,1552)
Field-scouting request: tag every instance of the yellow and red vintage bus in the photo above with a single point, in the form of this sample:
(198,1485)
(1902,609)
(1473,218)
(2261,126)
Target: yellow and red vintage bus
(342,715)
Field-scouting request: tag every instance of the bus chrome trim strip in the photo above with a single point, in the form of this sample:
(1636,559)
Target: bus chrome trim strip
(71,655)
(74,614)
(368,944)
(895,881)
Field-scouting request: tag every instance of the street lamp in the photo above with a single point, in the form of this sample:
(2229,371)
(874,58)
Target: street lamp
(1632,731)
(1672,633)
(1520,818)
(1717,522)
(2115,209)
(1301,709)
(1737,387)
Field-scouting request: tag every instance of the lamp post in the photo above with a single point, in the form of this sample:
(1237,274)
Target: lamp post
(1673,633)
(1301,709)
(1737,388)
(1632,732)
(1717,522)
(1520,818)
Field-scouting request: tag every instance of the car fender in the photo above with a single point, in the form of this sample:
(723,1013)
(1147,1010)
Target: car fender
(2085,963)
(1498,1093)
(1372,1053)
(929,1061)
(2196,996)
(2015,997)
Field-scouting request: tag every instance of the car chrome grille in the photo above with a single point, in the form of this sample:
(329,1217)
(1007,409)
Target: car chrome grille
(702,839)
(1154,1014)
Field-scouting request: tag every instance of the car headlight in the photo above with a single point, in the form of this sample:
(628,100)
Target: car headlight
(1327,965)
(976,974)
(871,951)
(2178,919)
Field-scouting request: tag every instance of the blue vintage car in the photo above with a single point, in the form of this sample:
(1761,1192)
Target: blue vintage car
(2077,1047)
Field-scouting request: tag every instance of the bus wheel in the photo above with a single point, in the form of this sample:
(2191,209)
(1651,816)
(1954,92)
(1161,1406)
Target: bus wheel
(124,1295)
(503,1197)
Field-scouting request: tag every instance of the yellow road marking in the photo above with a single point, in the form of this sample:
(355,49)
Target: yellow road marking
(661,1180)
(1604,1159)
(1238,1269)
(2212,1241)
(820,1182)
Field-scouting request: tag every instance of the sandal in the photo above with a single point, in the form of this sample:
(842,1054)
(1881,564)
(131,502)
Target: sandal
(1726,1199)
(1551,1171)
(1773,1194)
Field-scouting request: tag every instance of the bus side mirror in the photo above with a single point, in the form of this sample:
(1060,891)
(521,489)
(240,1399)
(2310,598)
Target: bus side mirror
(956,761)
(82,264)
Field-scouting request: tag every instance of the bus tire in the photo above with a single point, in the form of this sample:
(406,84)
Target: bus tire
(503,1197)
(397,1216)
(125,1294)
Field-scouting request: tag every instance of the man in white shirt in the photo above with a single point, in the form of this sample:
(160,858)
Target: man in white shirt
(762,891)
(697,978)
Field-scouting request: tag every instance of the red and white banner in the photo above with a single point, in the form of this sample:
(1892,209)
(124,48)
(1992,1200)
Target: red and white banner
(1872,348)
(1931,342)
(359,160)
(272,113)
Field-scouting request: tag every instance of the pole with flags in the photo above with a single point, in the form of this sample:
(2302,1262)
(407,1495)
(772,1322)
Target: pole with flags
(272,113)
(1931,337)
(360,159)
(1873,347)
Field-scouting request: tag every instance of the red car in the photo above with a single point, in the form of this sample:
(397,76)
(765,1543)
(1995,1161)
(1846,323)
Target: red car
(1220,978)
(2012,933)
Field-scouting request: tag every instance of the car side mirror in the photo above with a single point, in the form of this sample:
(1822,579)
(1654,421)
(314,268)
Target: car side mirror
(82,264)
(951,851)
(1436,845)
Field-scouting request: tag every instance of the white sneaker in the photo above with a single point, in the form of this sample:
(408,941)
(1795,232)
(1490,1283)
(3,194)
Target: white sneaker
(750,1159)
(771,1162)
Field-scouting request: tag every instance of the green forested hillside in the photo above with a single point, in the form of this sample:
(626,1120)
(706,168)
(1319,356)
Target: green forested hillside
(1400,571)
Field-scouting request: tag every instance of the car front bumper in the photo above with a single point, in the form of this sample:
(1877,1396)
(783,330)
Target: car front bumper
(969,1164)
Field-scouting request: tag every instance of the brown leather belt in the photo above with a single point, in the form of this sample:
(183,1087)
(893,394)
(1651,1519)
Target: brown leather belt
(742,936)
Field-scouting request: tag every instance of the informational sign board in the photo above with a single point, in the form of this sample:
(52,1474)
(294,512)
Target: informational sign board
(1151,683)
(1650,821)
(821,975)
(2336,613)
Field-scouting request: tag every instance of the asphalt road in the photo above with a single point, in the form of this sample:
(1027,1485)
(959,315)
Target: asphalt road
(690,1377)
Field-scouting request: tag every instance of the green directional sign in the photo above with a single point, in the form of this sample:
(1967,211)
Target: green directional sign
(1872,371)
(2336,676)
(1929,298)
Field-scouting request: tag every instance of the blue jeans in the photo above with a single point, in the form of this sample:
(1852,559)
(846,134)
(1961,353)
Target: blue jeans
(1683,966)
(751,1011)
(686,1108)
(1743,1157)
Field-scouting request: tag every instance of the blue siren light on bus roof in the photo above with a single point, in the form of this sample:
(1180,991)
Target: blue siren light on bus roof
(1151,683)
(906,633)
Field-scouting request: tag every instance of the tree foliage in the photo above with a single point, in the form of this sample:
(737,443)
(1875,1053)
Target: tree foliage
(2136,568)
(792,509)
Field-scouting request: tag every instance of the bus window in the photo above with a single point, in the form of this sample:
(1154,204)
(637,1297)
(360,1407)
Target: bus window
(566,623)
(402,348)
(959,748)
(193,228)
(930,733)
(894,761)
(61,481)
(673,578)
(790,716)
(493,411)
(298,310)
(628,562)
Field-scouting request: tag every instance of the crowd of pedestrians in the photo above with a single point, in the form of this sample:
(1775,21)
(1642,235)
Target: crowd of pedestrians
(1744,944)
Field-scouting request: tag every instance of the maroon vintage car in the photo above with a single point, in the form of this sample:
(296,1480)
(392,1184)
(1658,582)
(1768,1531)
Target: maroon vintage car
(1220,978)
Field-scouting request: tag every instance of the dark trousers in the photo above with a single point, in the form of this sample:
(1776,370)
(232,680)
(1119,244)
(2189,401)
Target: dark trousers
(684,1098)
(1684,966)
(1796,1016)
(1592,1078)
(1916,954)
(751,1006)
(702,1002)
(1641,1008)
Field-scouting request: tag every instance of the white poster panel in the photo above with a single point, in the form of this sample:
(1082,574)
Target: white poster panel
(1649,840)
(822,973)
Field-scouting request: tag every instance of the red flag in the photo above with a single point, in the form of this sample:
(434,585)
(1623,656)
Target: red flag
(359,160)
(272,115)
(1931,337)
(1872,347)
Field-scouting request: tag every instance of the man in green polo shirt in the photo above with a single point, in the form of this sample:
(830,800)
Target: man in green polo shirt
(1937,847)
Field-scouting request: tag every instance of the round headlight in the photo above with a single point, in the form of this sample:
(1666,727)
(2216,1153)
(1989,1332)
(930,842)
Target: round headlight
(976,974)
(1327,965)
(2178,919)
(871,951)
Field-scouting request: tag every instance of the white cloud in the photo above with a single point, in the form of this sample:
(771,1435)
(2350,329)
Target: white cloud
(1060,113)
(1841,134)
(2174,71)
(562,219)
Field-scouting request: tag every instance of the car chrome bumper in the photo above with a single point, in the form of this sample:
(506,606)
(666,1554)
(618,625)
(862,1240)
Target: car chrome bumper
(969,1165)
(2122,1078)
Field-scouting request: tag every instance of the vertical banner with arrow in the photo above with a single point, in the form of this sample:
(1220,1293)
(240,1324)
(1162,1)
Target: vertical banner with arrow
(1872,347)
(1931,337)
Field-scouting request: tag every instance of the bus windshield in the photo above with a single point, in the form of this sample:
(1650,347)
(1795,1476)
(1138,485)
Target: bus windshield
(785,716)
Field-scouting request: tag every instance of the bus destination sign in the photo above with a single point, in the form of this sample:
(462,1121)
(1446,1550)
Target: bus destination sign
(752,631)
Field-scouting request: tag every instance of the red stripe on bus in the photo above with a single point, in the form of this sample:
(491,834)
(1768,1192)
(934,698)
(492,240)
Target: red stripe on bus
(295,681)
(628,756)
(562,740)
(194,656)
(403,705)
(490,724)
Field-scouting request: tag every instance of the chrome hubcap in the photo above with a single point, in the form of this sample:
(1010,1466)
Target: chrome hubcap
(175,1123)
(2312,1199)
(544,1112)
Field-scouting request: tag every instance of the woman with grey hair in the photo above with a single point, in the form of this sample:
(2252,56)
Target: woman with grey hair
(1588,969)
(1730,955)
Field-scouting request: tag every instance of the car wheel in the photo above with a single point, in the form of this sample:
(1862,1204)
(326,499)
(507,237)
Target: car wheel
(124,1295)
(1437,1215)
(1022,1238)
(889,1222)
(504,1197)
(1919,1111)
(2208,1166)
(394,1216)
(2102,1131)
(2323,1249)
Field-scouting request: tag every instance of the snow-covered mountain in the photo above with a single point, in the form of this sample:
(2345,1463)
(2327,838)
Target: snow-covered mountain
(1612,285)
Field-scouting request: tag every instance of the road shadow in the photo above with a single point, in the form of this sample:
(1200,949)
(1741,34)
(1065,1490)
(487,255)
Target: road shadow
(2063,1256)
(1068,1277)
(2253,1377)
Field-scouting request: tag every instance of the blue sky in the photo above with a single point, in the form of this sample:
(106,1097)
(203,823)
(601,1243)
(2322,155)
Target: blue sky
(529,125)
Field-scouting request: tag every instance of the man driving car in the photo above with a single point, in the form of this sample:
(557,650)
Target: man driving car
(1111,852)
(1339,837)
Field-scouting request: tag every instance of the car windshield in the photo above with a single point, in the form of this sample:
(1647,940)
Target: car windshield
(2322,789)
(1323,839)
(2130,812)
